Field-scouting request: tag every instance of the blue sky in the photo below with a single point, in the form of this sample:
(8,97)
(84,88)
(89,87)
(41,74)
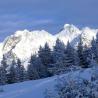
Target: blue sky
(50,15)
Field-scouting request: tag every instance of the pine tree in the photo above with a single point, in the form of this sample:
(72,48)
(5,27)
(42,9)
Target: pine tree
(82,61)
(3,77)
(96,48)
(11,76)
(3,72)
(46,57)
(87,53)
(45,54)
(31,70)
(40,68)
(4,62)
(58,51)
(58,58)
(19,72)
(93,48)
(70,58)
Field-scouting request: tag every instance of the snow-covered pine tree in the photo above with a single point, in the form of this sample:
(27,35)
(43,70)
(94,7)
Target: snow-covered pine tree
(96,49)
(40,68)
(82,61)
(46,57)
(87,54)
(93,53)
(19,72)
(11,76)
(58,51)
(3,73)
(70,55)
(31,70)
(3,77)
(45,54)
(4,62)
(58,58)
(93,48)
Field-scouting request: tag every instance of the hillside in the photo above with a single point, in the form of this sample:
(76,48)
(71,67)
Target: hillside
(36,88)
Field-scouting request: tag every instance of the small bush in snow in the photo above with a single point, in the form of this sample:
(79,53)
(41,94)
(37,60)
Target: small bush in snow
(78,87)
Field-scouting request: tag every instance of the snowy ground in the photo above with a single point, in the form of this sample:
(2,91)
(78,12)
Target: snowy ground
(29,89)
(36,88)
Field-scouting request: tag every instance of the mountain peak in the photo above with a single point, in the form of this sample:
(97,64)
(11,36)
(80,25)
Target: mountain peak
(26,33)
(68,25)
(20,33)
(69,30)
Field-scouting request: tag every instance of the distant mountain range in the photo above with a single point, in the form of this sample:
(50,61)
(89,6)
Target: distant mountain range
(25,43)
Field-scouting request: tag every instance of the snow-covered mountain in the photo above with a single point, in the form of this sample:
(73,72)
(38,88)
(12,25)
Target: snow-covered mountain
(69,33)
(23,44)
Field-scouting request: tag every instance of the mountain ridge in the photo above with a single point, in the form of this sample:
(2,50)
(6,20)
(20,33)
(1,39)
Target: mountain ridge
(25,43)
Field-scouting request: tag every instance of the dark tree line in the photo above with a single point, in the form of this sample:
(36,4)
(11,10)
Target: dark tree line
(49,62)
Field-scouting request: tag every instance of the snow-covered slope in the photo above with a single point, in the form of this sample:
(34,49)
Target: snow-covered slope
(88,34)
(23,44)
(36,88)
(30,42)
(69,33)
